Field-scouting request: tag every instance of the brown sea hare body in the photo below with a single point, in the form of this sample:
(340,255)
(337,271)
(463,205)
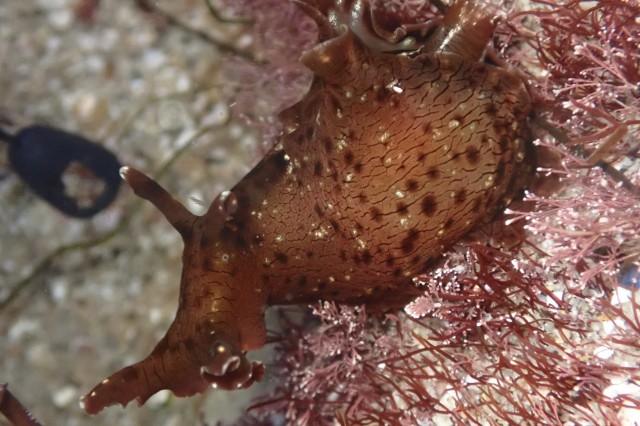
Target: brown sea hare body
(388,160)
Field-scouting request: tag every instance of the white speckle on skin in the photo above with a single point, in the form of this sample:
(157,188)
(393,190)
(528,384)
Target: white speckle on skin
(395,87)
(341,144)
(383,137)
(320,233)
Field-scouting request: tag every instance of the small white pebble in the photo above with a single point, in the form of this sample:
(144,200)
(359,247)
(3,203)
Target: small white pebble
(603,352)
(624,388)
(620,296)
(63,397)
(159,399)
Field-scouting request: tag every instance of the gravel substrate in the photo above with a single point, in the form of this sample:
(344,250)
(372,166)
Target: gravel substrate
(142,88)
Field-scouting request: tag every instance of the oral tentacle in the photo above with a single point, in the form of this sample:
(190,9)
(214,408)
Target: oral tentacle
(144,187)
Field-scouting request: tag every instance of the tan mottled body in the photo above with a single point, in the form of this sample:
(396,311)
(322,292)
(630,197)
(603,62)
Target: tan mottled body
(388,170)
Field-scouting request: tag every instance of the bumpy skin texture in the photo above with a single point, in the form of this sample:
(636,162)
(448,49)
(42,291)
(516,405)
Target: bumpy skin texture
(387,161)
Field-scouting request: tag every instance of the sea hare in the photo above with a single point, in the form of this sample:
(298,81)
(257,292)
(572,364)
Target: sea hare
(402,146)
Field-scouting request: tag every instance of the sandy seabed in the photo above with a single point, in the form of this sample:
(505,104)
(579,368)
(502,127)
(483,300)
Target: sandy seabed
(142,89)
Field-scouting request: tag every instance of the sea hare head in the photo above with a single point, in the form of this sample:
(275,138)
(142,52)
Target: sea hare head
(204,345)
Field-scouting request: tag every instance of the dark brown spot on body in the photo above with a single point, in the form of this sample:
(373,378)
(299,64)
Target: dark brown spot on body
(460,196)
(375,214)
(381,94)
(429,205)
(500,169)
(348,158)
(412,185)
(433,173)
(472,154)
(409,241)
(505,142)
(281,162)
(491,110)
(309,133)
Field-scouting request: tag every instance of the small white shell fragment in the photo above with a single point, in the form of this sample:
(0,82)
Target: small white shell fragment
(603,352)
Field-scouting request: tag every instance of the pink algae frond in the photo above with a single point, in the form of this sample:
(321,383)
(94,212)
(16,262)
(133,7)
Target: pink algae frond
(593,224)
(258,90)
(586,63)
